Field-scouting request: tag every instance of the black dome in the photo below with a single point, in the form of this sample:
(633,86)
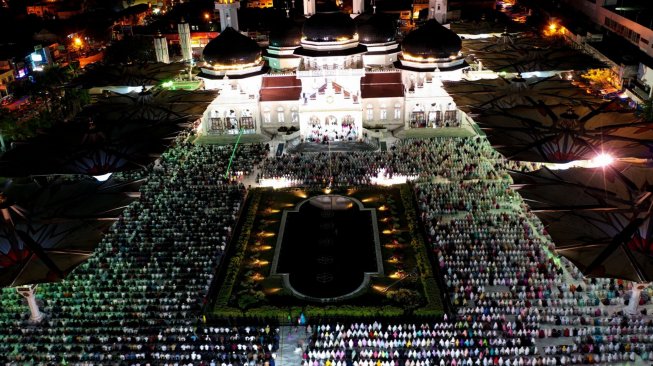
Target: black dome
(432,40)
(286,34)
(329,27)
(231,48)
(379,28)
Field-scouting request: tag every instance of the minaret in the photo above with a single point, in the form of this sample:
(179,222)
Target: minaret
(438,10)
(228,13)
(358,7)
(184,41)
(161,49)
(309,7)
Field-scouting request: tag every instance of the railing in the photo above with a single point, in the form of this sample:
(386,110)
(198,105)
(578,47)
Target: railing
(638,91)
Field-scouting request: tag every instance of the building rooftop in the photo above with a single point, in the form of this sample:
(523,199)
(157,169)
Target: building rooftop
(639,11)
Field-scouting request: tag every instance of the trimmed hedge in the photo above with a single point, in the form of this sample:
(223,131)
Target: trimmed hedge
(431,289)
(222,300)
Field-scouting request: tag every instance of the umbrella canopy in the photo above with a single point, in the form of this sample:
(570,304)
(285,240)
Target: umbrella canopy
(484,27)
(560,134)
(501,93)
(86,147)
(526,52)
(48,230)
(616,244)
(134,75)
(619,185)
(599,218)
(152,105)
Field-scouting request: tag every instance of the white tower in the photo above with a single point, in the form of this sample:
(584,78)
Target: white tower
(309,7)
(228,13)
(438,10)
(184,41)
(161,49)
(358,7)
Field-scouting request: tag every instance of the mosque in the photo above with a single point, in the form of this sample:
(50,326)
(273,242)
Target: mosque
(333,77)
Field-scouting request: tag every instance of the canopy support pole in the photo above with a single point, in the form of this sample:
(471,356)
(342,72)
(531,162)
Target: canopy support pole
(28,292)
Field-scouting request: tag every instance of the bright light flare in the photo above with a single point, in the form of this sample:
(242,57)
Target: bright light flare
(382,180)
(275,183)
(261,248)
(300,194)
(603,160)
(379,288)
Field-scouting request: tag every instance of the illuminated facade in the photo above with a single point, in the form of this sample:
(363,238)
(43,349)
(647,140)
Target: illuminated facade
(332,78)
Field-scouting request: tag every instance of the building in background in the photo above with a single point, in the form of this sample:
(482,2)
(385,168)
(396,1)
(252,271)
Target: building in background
(631,20)
(333,77)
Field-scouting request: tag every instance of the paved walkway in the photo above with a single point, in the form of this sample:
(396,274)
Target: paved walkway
(335,146)
(289,354)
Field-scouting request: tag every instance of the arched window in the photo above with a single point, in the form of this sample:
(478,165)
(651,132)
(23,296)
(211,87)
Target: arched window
(370,113)
(281,118)
(266,115)
(294,115)
(397,114)
(383,113)
(434,113)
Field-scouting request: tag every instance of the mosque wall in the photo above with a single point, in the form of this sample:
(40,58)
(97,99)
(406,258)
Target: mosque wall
(277,114)
(338,96)
(383,111)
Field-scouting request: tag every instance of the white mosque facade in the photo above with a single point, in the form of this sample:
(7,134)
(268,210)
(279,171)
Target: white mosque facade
(332,78)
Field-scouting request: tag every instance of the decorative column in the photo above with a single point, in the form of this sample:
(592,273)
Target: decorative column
(28,292)
(184,41)
(161,49)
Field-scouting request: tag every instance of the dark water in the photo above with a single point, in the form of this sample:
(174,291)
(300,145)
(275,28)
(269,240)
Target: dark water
(326,252)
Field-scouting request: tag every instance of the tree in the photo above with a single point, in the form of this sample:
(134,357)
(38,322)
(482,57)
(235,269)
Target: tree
(647,112)
(408,299)
(599,78)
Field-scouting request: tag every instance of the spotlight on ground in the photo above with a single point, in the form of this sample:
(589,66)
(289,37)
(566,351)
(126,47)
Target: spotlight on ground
(103,177)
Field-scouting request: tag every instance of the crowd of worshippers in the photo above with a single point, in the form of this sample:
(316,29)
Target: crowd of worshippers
(139,299)
(454,159)
(140,296)
(497,264)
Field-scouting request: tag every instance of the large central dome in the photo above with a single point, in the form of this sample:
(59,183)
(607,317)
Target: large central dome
(379,28)
(329,27)
(286,34)
(431,40)
(231,48)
